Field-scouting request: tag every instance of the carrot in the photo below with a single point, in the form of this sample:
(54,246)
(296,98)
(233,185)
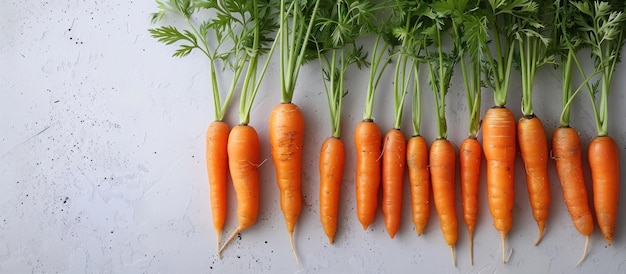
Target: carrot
(534,150)
(286,125)
(243,160)
(442,163)
(419,180)
(470,154)
(367,142)
(499,148)
(331,173)
(368,138)
(394,158)
(566,151)
(605,174)
(217,167)
(286,129)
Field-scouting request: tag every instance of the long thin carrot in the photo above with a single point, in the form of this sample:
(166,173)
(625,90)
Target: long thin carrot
(419,180)
(470,155)
(286,129)
(331,173)
(566,151)
(534,150)
(217,167)
(498,129)
(394,160)
(442,164)
(605,174)
(243,161)
(367,142)
(470,151)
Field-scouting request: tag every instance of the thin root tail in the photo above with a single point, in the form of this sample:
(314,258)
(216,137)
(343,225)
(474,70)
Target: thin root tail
(541,231)
(229,239)
(584,250)
(505,258)
(293,247)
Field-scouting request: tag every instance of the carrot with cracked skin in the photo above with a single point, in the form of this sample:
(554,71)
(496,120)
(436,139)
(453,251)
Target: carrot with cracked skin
(332,156)
(394,160)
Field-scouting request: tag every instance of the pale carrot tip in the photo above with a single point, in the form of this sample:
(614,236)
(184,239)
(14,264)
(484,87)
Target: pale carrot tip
(453,256)
(540,236)
(471,247)
(293,248)
(505,258)
(584,251)
(229,239)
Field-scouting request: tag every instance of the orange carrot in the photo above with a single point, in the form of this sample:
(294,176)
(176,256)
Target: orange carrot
(394,159)
(470,157)
(367,141)
(605,174)
(499,148)
(566,151)
(243,160)
(217,167)
(442,164)
(419,179)
(286,128)
(534,150)
(331,173)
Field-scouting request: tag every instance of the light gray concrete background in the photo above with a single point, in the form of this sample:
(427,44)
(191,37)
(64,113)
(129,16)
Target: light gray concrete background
(102,165)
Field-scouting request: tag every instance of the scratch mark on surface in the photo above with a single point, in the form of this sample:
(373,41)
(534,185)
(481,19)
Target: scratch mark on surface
(170,169)
(28,140)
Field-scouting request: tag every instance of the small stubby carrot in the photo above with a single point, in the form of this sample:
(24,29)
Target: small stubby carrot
(332,158)
(533,146)
(605,175)
(419,180)
(286,130)
(367,142)
(243,160)
(394,160)
(217,169)
(470,155)
(567,154)
(498,129)
(442,164)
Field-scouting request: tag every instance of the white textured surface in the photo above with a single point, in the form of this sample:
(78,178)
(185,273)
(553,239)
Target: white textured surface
(102,164)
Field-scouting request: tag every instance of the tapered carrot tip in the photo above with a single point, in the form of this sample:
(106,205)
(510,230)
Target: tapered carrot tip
(391,234)
(471,247)
(365,226)
(584,250)
(293,247)
(542,226)
(453,256)
(331,239)
(505,258)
